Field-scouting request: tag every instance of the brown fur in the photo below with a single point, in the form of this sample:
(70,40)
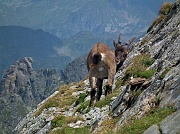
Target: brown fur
(103,63)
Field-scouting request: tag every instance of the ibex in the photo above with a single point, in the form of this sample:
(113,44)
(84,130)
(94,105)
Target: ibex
(103,63)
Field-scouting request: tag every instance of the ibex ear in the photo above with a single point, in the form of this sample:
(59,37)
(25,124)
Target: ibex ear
(114,43)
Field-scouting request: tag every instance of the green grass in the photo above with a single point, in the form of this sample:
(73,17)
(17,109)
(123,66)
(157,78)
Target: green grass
(118,84)
(63,121)
(145,74)
(58,121)
(64,99)
(139,66)
(163,12)
(83,106)
(138,126)
(164,73)
(107,100)
(81,98)
(147,61)
(165,8)
(68,130)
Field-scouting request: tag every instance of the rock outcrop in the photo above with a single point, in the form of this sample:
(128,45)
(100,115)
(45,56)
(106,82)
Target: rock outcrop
(75,71)
(134,97)
(21,89)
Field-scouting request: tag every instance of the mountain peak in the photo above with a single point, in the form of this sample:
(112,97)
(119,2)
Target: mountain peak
(146,92)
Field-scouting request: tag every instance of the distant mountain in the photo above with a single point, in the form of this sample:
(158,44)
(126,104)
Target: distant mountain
(75,71)
(66,17)
(17,42)
(21,89)
(145,97)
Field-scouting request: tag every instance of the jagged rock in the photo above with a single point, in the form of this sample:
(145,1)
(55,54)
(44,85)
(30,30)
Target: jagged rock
(154,129)
(164,47)
(170,125)
(75,71)
(170,88)
(136,81)
(22,88)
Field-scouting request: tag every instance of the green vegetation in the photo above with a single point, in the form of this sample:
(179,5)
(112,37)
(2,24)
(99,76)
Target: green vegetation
(83,106)
(58,121)
(164,73)
(165,8)
(62,121)
(137,126)
(107,100)
(145,74)
(139,66)
(68,130)
(163,12)
(81,98)
(140,125)
(63,99)
(108,125)
(118,84)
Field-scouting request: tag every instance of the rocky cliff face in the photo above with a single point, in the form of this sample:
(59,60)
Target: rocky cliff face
(75,71)
(21,89)
(146,91)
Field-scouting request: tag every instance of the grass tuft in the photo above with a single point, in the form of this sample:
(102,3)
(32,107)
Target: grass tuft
(81,98)
(165,8)
(163,12)
(63,99)
(164,73)
(68,130)
(139,66)
(83,106)
(107,100)
(138,126)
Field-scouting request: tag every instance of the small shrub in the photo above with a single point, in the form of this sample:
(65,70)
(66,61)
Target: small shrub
(165,8)
(81,98)
(145,74)
(164,74)
(58,121)
(83,106)
(147,61)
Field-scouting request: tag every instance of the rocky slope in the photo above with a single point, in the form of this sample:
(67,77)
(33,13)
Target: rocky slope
(146,92)
(21,89)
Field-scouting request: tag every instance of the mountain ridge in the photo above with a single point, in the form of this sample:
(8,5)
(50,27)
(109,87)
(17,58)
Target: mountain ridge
(67,18)
(145,97)
(21,89)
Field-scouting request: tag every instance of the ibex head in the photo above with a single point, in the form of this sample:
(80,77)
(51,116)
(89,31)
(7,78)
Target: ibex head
(121,51)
